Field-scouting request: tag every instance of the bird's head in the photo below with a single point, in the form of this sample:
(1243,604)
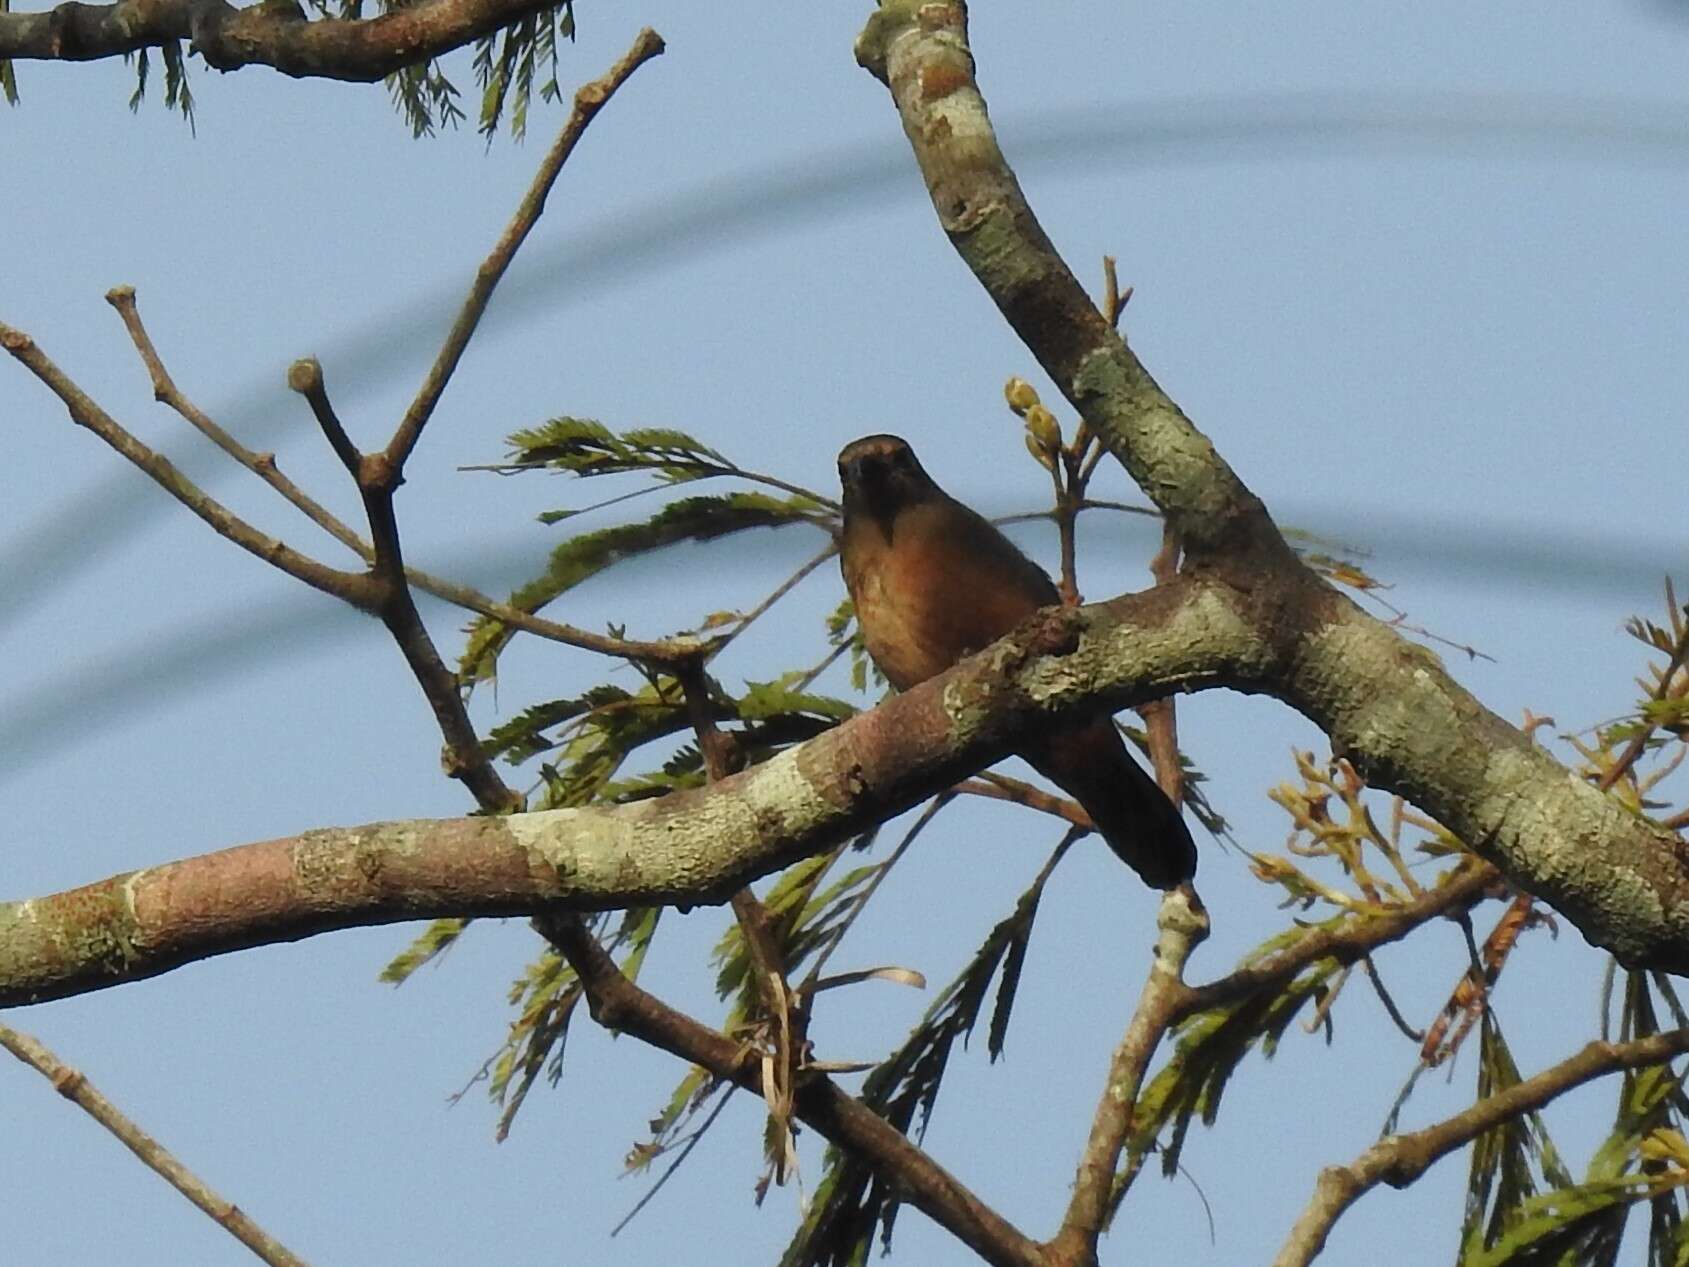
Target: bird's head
(880,474)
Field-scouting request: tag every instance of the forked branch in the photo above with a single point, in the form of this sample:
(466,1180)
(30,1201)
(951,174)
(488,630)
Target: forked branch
(1399,1160)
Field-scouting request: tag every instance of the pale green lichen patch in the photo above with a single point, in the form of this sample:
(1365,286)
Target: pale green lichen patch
(321,855)
(966,705)
(93,925)
(994,247)
(554,837)
(885,24)
(1053,679)
(632,852)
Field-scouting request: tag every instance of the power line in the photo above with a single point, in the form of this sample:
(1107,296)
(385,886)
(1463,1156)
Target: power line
(50,553)
(54,713)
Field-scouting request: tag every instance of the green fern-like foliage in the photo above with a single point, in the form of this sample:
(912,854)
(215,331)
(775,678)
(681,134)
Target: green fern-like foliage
(1523,1205)
(852,1208)
(509,65)
(1210,1048)
(177,94)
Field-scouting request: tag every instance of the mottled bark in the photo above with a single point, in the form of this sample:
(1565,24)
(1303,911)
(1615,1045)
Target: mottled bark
(1387,704)
(269,34)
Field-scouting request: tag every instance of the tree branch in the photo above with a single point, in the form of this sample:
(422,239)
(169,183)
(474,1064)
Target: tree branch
(1183,925)
(263,465)
(305,376)
(589,100)
(1387,704)
(352,587)
(692,846)
(619,1004)
(278,35)
(1399,1160)
(1518,807)
(1348,942)
(79,1091)
(919,50)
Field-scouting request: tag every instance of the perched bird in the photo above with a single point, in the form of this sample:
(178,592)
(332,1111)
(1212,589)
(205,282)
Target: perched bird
(932,582)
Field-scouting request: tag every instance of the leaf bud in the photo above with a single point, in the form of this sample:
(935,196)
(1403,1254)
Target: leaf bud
(1020,394)
(1042,425)
(1039,453)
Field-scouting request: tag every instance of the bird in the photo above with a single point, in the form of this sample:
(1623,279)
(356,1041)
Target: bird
(933,581)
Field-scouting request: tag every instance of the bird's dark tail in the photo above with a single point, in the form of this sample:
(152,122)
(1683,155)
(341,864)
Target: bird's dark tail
(1131,811)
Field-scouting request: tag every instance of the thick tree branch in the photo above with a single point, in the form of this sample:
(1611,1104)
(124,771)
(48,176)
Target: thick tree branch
(1618,877)
(1387,704)
(1399,1160)
(919,49)
(692,846)
(269,34)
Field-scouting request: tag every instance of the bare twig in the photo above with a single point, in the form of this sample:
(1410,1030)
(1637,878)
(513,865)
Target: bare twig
(353,587)
(1114,299)
(1399,1160)
(780,591)
(305,376)
(1399,620)
(1000,787)
(264,466)
(385,589)
(589,100)
(782,1020)
(1183,925)
(859,903)
(79,1091)
(1066,515)
(1384,997)
(377,479)
(1161,723)
(692,1141)
(1346,942)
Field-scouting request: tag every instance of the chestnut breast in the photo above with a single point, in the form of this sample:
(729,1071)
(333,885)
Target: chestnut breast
(933,583)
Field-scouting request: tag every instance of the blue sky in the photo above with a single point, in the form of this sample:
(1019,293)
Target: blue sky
(1418,272)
